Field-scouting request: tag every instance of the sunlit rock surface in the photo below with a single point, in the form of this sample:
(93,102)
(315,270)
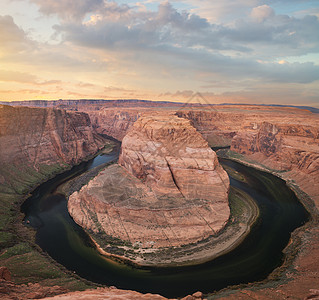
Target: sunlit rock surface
(168,189)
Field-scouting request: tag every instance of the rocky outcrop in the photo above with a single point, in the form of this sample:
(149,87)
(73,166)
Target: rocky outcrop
(114,122)
(113,293)
(45,136)
(5,274)
(39,140)
(107,294)
(10,291)
(168,155)
(169,190)
(217,124)
(286,147)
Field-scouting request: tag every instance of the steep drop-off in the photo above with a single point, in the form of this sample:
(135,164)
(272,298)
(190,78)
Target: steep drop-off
(36,139)
(217,124)
(297,161)
(168,155)
(35,144)
(169,190)
(292,149)
(114,122)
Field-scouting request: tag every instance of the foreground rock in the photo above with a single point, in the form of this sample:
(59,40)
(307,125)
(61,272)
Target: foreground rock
(113,293)
(9,290)
(169,190)
(107,294)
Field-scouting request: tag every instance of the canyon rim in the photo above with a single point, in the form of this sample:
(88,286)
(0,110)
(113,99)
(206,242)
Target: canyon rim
(291,152)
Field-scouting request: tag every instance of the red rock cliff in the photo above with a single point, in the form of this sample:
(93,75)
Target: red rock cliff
(171,157)
(290,147)
(36,138)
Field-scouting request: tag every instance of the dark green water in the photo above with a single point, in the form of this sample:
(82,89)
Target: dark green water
(253,260)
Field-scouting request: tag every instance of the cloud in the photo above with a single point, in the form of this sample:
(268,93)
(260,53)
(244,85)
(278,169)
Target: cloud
(6,75)
(262,34)
(20,77)
(185,94)
(262,12)
(222,11)
(184,45)
(12,37)
(256,94)
(123,26)
(68,10)
(188,44)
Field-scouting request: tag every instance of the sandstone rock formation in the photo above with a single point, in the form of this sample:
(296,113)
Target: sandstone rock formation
(114,122)
(171,157)
(217,124)
(296,155)
(292,148)
(107,294)
(113,293)
(170,190)
(39,140)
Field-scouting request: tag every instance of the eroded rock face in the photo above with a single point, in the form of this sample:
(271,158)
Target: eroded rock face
(114,122)
(43,136)
(173,159)
(36,141)
(169,189)
(289,147)
(108,294)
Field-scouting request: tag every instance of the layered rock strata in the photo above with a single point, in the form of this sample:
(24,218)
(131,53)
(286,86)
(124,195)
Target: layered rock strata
(290,148)
(168,189)
(38,140)
(44,136)
(114,122)
(217,124)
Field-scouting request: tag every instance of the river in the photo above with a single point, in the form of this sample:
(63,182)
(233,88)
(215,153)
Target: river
(257,256)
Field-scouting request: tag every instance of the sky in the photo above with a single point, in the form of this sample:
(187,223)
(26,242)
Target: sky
(235,51)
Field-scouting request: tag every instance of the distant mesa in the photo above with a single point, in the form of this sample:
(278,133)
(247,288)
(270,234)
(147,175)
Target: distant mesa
(168,190)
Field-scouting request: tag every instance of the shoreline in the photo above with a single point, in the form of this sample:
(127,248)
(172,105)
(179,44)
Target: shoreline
(286,266)
(282,274)
(234,232)
(199,257)
(24,238)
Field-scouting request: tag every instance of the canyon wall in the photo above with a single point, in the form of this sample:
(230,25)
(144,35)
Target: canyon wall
(114,122)
(35,144)
(35,139)
(290,148)
(36,136)
(217,128)
(217,124)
